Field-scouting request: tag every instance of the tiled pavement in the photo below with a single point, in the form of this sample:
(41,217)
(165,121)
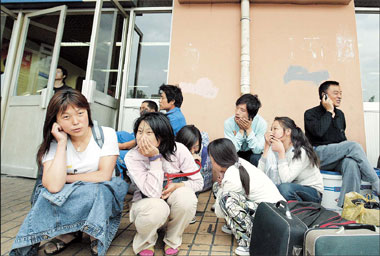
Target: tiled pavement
(202,238)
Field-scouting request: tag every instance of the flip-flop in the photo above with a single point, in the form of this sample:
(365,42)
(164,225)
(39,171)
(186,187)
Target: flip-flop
(94,247)
(60,245)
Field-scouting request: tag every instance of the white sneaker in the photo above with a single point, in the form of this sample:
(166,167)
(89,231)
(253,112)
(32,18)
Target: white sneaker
(193,220)
(213,207)
(226,229)
(242,250)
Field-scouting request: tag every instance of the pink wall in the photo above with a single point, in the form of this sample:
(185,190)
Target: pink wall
(293,48)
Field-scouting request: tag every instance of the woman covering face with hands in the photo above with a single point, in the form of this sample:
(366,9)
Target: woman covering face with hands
(290,161)
(156,154)
(79,191)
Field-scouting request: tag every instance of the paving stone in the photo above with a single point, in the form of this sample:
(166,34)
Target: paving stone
(115,250)
(203,239)
(199,238)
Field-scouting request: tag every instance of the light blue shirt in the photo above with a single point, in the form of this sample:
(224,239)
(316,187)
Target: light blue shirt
(254,141)
(177,119)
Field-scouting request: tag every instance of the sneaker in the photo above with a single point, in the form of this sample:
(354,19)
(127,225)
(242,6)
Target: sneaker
(193,220)
(242,250)
(226,229)
(213,208)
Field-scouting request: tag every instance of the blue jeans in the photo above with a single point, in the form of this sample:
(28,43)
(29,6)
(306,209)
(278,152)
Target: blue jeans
(293,191)
(349,159)
(250,156)
(94,208)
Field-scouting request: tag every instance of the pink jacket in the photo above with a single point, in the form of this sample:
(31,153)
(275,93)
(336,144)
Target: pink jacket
(149,176)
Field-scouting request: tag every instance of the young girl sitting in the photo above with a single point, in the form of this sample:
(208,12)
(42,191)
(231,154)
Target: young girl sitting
(157,155)
(242,187)
(78,190)
(291,162)
(197,143)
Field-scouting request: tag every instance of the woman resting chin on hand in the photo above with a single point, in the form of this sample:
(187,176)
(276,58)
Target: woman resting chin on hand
(157,153)
(61,207)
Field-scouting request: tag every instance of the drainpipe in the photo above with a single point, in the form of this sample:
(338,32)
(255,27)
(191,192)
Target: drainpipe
(244,58)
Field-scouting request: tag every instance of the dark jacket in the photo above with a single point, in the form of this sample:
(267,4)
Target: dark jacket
(322,129)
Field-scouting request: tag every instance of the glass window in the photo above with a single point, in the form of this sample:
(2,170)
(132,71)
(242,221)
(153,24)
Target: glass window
(6,31)
(75,46)
(107,52)
(149,55)
(37,55)
(368,41)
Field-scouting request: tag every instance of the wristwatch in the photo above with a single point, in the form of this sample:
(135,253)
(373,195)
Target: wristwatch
(152,158)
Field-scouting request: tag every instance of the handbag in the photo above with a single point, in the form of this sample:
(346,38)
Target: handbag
(365,210)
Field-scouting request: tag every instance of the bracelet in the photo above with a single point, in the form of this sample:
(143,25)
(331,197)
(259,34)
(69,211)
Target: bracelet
(152,158)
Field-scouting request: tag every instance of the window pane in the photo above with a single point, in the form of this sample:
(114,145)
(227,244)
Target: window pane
(36,59)
(107,52)
(368,40)
(149,55)
(6,31)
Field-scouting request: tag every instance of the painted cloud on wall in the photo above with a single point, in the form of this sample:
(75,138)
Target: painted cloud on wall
(299,73)
(203,87)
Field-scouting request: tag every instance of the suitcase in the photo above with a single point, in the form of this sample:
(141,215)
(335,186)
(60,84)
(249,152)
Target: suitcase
(354,239)
(276,231)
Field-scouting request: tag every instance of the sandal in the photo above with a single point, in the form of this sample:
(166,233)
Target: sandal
(94,247)
(61,245)
(147,252)
(171,251)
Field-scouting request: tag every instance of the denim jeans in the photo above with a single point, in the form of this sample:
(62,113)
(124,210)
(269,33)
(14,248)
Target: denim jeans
(293,191)
(250,157)
(94,208)
(349,159)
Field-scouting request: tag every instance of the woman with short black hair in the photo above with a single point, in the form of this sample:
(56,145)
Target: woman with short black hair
(158,200)
(197,143)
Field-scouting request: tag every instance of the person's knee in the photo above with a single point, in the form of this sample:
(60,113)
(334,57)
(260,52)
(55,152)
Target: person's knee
(153,213)
(354,146)
(285,189)
(184,199)
(350,167)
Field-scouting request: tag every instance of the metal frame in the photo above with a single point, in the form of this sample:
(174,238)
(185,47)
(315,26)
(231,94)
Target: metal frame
(94,40)
(21,46)
(132,17)
(8,12)
(122,57)
(12,51)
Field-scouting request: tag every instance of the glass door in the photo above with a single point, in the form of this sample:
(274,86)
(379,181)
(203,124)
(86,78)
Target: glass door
(30,90)
(148,63)
(105,63)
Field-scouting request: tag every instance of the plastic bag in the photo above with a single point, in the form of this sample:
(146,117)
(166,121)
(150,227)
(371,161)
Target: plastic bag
(361,209)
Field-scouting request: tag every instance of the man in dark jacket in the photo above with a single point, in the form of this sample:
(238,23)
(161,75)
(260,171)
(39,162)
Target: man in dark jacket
(325,127)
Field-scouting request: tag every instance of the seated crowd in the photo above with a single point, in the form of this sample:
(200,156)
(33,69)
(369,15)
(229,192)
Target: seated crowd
(86,176)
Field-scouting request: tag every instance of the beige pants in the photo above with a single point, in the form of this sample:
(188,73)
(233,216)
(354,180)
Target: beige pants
(149,214)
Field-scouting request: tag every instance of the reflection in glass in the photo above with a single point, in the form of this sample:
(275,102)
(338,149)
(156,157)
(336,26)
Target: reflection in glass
(36,59)
(107,52)
(368,41)
(6,27)
(149,55)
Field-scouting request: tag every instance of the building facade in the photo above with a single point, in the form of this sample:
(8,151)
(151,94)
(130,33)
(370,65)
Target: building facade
(119,52)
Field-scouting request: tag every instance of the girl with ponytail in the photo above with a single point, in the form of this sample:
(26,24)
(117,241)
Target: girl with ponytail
(240,187)
(289,154)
